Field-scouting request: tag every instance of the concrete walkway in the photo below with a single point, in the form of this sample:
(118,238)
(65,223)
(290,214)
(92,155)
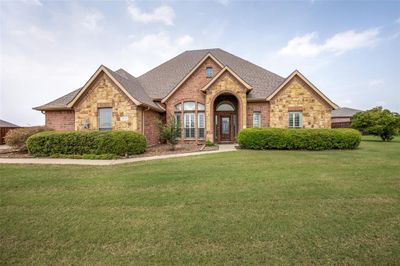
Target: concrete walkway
(222,148)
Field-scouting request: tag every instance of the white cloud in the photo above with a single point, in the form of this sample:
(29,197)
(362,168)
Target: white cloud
(34,33)
(398,21)
(33,2)
(342,42)
(223,2)
(376,82)
(302,46)
(91,20)
(162,44)
(163,13)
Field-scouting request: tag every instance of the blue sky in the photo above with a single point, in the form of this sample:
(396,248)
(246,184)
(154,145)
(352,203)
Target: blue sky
(349,50)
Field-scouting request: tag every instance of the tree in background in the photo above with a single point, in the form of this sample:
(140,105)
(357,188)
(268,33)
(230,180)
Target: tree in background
(170,131)
(377,121)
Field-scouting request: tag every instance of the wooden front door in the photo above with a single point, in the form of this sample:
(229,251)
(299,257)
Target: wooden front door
(225,131)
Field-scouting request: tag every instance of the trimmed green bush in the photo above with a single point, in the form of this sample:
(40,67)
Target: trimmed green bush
(120,143)
(298,139)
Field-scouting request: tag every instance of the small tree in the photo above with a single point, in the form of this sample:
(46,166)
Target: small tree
(378,122)
(170,131)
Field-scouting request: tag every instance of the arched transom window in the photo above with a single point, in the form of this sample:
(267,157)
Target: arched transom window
(225,107)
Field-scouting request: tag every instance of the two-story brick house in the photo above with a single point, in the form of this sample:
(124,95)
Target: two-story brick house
(212,92)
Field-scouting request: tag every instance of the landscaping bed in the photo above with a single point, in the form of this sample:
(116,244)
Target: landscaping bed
(160,149)
(164,149)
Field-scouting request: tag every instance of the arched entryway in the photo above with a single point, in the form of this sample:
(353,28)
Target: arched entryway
(226,122)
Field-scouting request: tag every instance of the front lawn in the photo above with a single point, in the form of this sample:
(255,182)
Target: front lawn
(245,207)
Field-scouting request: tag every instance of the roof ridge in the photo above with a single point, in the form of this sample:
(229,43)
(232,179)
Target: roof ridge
(124,72)
(159,66)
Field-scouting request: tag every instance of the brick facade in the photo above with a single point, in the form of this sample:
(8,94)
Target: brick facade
(263,108)
(60,120)
(150,127)
(190,90)
(298,96)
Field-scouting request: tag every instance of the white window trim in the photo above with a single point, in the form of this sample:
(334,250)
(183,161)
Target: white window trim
(293,113)
(98,119)
(212,72)
(198,124)
(194,125)
(259,119)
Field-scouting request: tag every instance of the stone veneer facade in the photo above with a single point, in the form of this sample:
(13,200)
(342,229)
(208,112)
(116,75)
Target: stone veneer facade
(263,108)
(228,84)
(298,96)
(105,94)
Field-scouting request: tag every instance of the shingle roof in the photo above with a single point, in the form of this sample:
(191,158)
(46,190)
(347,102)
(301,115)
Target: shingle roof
(159,81)
(344,112)
(129,82)
(6,124)
(133,87)
(60,103)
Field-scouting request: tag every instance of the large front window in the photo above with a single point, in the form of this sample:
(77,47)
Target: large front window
(192,116)
(295,119)
(189,125)
(105,118)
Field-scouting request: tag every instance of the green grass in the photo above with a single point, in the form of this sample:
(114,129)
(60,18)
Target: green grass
(246,207)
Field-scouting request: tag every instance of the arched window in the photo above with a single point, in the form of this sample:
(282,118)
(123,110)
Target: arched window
(189,106)
(225,107)
(200,107)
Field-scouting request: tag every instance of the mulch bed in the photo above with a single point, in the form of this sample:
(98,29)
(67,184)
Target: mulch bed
(6,152)
(161,149)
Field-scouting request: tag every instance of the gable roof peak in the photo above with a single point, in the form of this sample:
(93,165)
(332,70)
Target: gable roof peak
(312,86)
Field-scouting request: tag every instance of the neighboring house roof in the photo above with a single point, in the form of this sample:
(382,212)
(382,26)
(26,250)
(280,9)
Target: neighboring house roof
(344,112)
(162,81)
(6,124)
(164,78)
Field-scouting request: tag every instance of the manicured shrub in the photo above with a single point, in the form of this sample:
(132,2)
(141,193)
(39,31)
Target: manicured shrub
(298,139)
(119,143)
(16,138)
